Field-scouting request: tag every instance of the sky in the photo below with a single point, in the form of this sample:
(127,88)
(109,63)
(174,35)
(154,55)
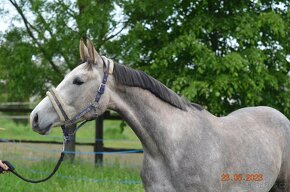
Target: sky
(4,21)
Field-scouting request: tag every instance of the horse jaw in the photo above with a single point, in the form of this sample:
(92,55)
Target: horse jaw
(43,117)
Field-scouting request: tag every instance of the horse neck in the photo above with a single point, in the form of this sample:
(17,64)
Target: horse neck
(148,116)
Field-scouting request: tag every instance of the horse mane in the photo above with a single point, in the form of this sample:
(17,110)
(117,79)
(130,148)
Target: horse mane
(135,78)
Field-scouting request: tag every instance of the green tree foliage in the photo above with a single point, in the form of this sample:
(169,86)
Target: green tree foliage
(221,54)
(39,50)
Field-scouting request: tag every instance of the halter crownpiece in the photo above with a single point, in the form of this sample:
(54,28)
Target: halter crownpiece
(109,63)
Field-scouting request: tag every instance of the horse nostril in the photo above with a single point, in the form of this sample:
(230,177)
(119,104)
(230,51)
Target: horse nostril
(35,120)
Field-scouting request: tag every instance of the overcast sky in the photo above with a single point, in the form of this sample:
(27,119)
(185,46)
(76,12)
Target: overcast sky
(4,21)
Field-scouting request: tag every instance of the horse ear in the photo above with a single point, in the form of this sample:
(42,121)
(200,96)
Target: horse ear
(94,57)
(84,54)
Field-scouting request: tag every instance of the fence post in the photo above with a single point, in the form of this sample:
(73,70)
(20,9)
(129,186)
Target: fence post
(99,145)
(71,146)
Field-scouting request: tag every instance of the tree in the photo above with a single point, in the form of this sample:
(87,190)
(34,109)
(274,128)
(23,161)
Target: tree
(222,54)
(38,53)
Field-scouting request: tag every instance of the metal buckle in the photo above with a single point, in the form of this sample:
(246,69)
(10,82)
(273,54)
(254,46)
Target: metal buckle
(101,89)
(66,137)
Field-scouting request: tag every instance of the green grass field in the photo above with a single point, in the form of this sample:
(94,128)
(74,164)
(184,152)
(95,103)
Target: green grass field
(73,177)
(33,161)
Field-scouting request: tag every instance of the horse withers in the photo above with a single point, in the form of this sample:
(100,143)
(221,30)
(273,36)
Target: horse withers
(186,148)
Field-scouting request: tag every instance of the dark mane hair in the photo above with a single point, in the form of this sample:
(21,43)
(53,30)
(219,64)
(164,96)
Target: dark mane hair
(134,78)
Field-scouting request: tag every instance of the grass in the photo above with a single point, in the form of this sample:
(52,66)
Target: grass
(33,161)
(79,177)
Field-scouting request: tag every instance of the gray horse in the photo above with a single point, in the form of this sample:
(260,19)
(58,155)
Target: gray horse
(186,148)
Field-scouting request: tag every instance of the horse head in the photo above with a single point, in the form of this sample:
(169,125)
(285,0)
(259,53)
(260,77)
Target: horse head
(75,92)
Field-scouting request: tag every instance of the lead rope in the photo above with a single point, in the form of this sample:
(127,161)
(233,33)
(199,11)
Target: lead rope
(11,168)
(66,139)
(66,135)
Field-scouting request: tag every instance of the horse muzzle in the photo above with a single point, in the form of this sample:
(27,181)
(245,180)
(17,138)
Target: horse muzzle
(43,117)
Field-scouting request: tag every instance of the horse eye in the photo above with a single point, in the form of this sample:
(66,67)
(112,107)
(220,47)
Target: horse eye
(77,81)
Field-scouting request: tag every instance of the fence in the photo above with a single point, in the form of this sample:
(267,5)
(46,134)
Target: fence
(15,109)
(40,154)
